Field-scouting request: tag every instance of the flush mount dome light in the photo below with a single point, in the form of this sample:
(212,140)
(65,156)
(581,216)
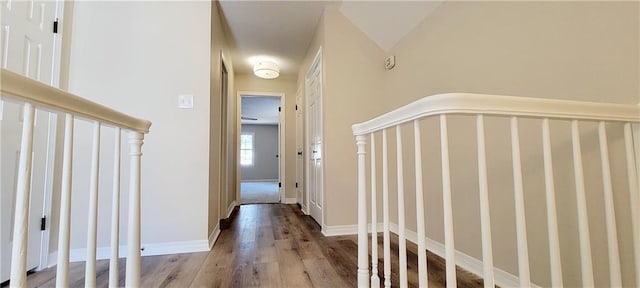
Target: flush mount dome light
(266,70)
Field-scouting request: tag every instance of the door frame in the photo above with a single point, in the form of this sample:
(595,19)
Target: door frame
(300,148)
(316,64)
(282,157)
(223,183)
(59,73)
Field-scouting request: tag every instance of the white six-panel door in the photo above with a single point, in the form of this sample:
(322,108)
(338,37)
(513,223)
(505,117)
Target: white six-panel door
(314,139)
(27,46)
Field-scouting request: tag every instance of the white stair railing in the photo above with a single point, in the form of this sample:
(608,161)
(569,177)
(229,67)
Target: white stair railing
(33,94)
(514,108)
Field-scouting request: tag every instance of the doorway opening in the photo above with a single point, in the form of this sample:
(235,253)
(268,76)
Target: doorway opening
(261,146)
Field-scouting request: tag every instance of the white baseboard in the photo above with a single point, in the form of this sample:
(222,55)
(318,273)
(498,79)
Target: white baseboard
(304,209)
(214,236)
(289,200)
(150,249)
(341,230)
(466,262)
(259,180)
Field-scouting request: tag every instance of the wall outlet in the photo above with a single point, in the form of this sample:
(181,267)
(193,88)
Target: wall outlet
(185,101)
(390,62)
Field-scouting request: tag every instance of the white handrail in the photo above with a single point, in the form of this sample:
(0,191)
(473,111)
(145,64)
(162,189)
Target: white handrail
(33,94)
(511,107)
(468,103)
(42,95)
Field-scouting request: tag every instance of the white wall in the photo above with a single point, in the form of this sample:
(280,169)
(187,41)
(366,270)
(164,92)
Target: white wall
(137,57)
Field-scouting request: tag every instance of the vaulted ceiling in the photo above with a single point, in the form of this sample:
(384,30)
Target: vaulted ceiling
(280,31)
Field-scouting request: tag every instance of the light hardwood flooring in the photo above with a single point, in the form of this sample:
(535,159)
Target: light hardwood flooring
(266,245)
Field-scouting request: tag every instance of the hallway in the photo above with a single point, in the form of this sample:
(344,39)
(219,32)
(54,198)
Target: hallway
(268,245)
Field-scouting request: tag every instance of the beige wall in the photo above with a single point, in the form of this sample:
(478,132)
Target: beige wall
(134,65)
(265,149)
(352,74)
(287,85)
(584,51)
(576,51)
(316,44)
(221,195)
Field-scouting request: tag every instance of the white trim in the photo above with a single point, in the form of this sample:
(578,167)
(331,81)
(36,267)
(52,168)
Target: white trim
(466,262)
(289,200)
(467,103)
(281,139)
(151,249)
(48,190)
(259,180)
(214,236)
(342,230)
(317,63)
(253,148)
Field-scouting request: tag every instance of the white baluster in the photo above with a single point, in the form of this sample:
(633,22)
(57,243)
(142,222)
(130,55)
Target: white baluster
(449,245)
(485,217)
(92,228)
(422,235)
(615,277)
(632,178)
(521,224)
(23,193)
(385,212)
(375,279)
(363,250)
(115,212)
(583,217)
(402,243)
(64,233)
(552,217)
(133,243)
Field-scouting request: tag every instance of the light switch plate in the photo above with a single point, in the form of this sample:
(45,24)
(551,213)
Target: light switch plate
(185,101)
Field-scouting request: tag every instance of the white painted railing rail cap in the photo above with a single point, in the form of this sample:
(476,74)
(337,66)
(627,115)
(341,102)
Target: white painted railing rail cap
(500,105)
(16,86)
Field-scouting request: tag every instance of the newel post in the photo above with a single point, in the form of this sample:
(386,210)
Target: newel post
(133,243)
(363,249)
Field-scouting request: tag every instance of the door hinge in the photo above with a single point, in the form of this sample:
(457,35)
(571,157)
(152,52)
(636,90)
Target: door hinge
(43,223)
(296,184)
(280,184)
(296,107)
(279,109)
(55,26)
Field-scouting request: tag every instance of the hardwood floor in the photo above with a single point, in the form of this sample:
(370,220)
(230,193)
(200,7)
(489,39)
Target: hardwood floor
(267,245)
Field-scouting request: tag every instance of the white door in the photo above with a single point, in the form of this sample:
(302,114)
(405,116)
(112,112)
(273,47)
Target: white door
(28,46)
(314,139)
(299,151)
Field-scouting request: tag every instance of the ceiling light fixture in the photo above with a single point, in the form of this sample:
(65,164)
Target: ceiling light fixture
(266,70)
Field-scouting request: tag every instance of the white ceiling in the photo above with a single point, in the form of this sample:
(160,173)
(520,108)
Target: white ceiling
(280,31)
(264,108)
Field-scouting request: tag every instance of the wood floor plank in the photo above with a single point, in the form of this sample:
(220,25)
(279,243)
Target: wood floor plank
(266,245)
(292,269)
